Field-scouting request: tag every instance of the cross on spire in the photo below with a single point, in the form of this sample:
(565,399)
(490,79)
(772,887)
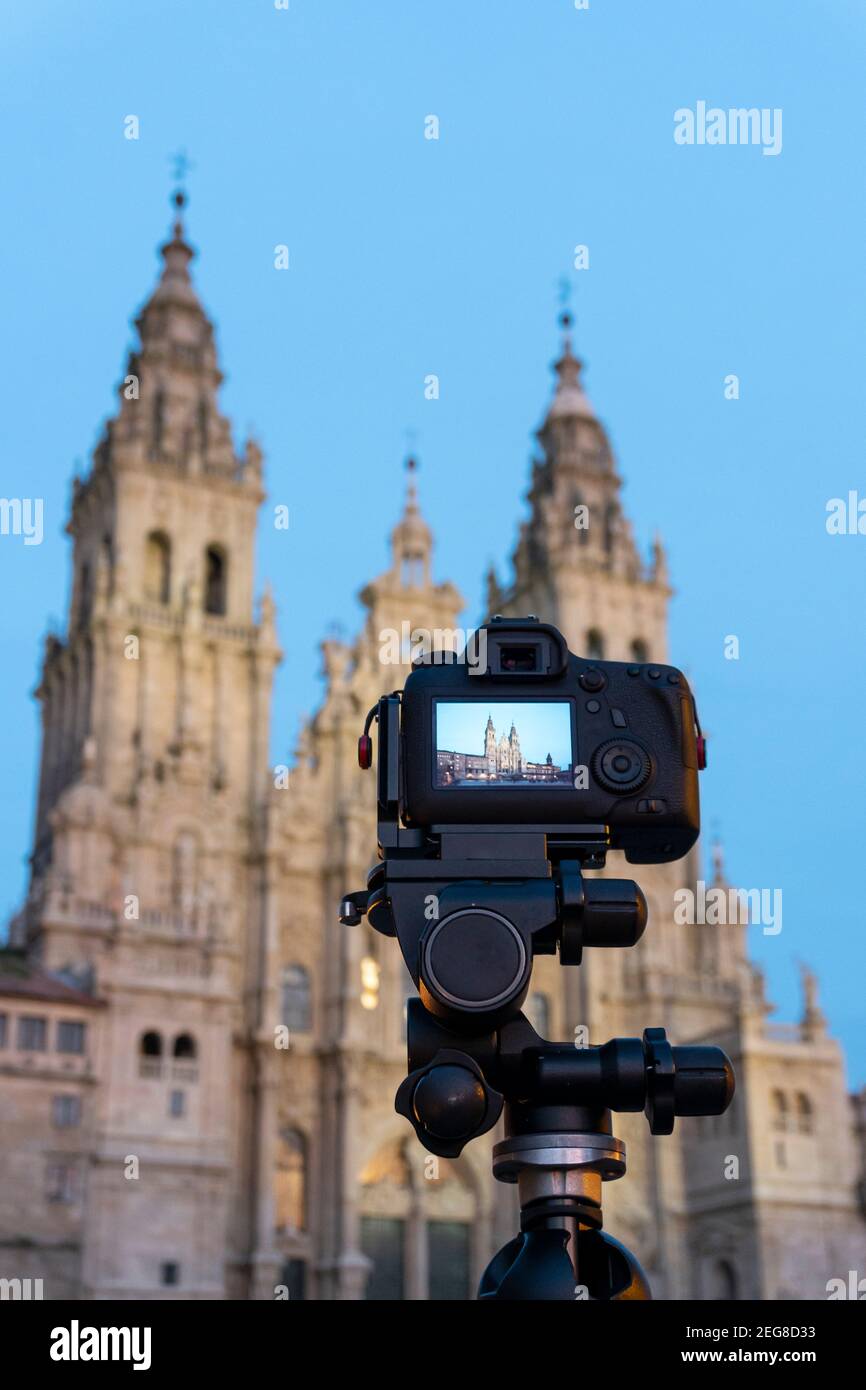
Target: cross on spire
(183,165)
(565,315)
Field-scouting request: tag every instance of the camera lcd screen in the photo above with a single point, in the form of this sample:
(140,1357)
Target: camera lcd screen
(508,743)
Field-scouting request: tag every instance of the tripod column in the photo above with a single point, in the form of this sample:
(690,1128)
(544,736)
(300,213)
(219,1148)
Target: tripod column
(559,1156)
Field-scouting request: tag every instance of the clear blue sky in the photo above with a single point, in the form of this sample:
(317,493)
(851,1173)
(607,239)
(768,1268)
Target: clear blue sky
(410,257)
(542,727)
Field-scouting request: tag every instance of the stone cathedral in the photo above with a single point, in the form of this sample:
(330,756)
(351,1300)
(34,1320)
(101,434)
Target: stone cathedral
(197,1061)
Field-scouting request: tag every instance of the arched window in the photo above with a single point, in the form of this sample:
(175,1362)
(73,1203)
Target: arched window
(639,650)
(724,1282)
(184,1047)
(150,1056)
(157,568)
(804,1113)
(537,1010)
(779,1110)
(296,1005)
(290,1182)
(411,570)
(215,580)
(595,645)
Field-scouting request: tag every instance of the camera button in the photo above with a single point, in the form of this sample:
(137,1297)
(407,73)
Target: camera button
(673,678)
(593,706)
(632,670)
(593,679)
(618,719)
(654,673)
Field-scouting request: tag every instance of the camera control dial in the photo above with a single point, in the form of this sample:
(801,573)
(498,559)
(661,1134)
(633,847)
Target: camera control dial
(621,766)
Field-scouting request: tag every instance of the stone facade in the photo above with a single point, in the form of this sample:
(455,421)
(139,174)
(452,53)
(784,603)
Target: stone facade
(228,1126)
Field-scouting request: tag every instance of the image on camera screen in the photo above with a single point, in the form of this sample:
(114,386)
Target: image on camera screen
(523,743)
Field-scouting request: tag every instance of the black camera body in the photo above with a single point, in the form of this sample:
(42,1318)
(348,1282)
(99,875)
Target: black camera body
(549,738)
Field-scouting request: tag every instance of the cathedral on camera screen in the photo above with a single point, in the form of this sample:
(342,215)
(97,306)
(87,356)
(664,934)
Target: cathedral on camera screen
(197,1061)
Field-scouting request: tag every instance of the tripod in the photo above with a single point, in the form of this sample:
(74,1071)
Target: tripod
(482,868)
(559,1146)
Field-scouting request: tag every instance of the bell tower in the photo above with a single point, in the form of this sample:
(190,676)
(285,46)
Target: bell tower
(576,562)
(147,868)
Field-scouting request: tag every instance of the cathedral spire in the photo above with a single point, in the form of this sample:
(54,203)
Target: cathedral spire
(175,282)
(412,539)
(569,400)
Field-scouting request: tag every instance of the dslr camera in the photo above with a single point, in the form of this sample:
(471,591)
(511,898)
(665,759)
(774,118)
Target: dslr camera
(502,775)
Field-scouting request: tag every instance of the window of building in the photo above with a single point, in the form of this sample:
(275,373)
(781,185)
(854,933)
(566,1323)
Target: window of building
(639,650)
(184,1058)
(448,1260)
(290,1198)
(177,1104)
(66,1111)
(216,580)
(32,1033)
(150,1056)
(595,645)
(157,568)
(412,571)
(804,1113)
(62,1183)
(779,1110)
(382,1242)
(537,1010)
(3,1023)
(169,1274)
(70,1036)
(296,1004)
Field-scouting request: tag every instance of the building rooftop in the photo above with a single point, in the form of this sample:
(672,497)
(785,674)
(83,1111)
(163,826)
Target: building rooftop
(20,979)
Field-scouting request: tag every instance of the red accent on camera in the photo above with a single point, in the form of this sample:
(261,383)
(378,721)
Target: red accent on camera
(365,751)
(702,752)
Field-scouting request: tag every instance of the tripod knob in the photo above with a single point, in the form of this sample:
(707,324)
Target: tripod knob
(448,1102)
(687,1080)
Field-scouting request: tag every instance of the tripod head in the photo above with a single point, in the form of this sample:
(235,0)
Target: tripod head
(457,1085)
(483,865)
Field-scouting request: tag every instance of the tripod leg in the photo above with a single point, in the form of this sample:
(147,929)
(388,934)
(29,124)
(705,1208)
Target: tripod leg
(537,1266)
